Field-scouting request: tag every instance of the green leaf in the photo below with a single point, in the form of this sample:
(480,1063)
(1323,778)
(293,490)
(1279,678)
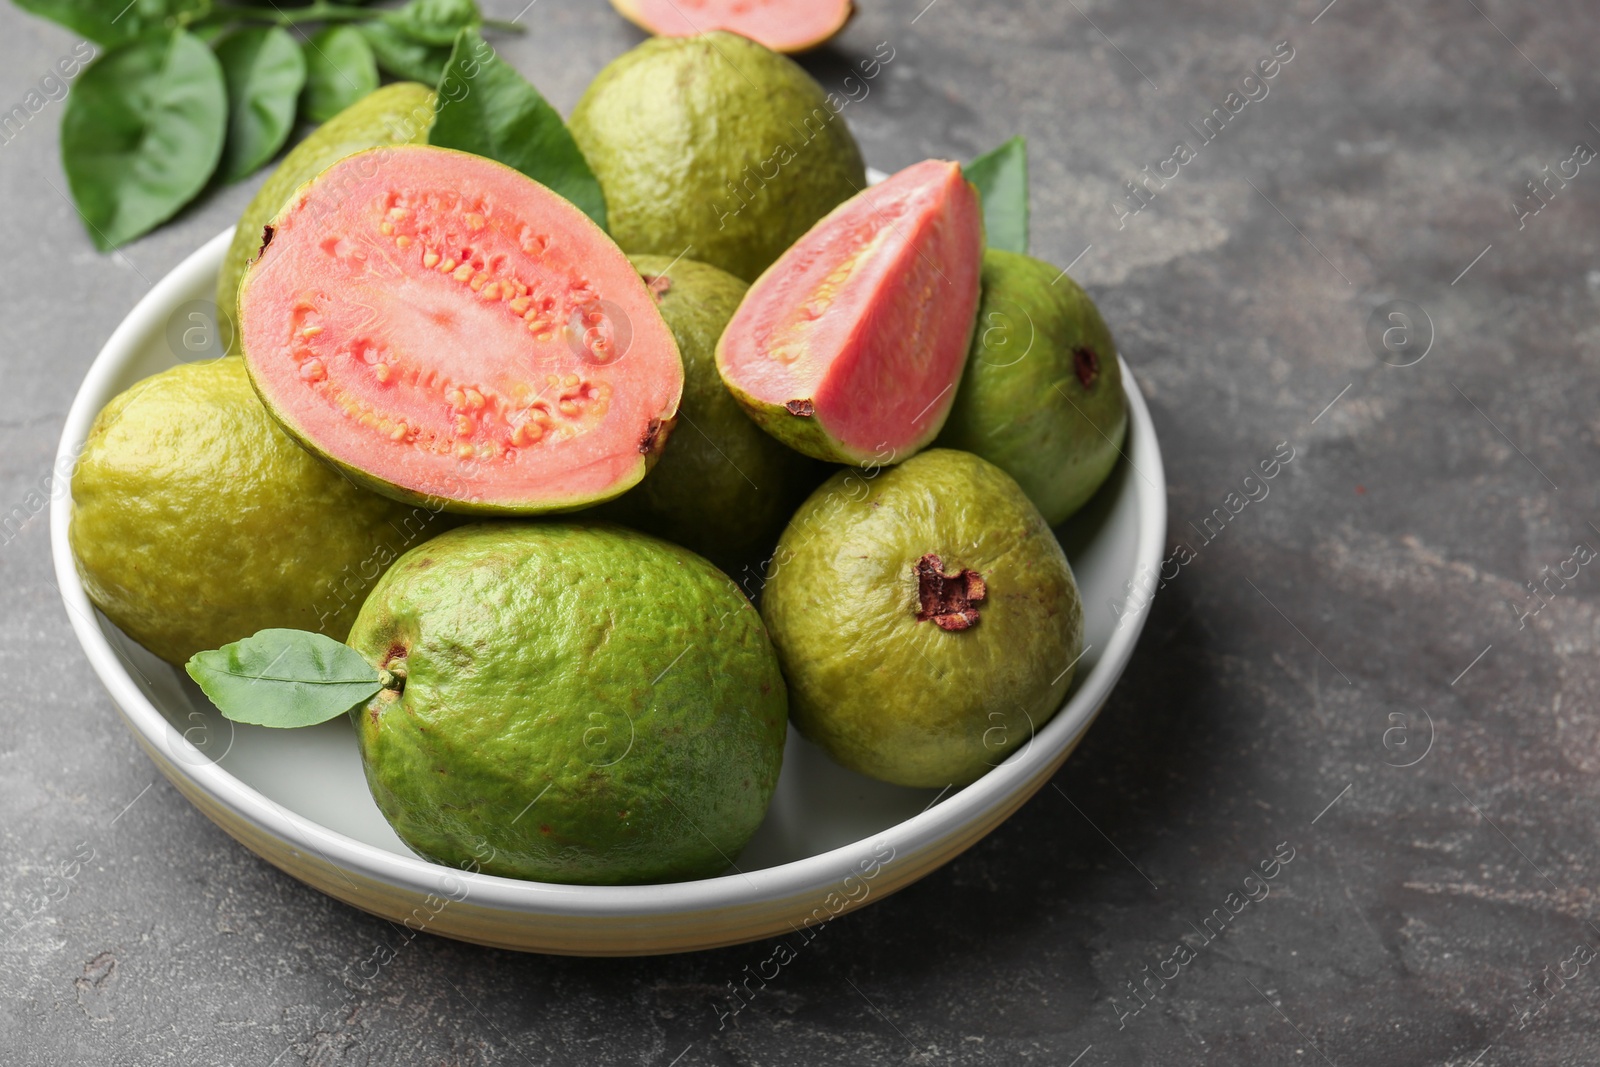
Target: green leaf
(1002,180)
(113,22)
(434,22)
(285,678)
(403,57)
(340,69)
(264,71)
(485,107)
(142,131)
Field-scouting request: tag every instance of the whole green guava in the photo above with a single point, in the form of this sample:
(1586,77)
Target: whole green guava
(925,616)
(196,521)
(722,487)
(578,703)
(1041,396)
(715,147)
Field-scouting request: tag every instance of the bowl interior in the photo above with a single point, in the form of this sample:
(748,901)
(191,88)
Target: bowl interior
(316,773)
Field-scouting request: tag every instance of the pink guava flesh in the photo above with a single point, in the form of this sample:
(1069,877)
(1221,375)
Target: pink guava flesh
(445,328)
(851,345)
(781,25)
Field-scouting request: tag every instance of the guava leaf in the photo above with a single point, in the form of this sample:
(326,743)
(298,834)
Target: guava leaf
(264,71)
(111,22)
(284,678)
(485,107)
(142,131)
(1002,180)
(340,69)
(404,57)
(434,22)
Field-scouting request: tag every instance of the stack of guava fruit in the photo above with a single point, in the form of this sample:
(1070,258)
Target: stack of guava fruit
(481,468)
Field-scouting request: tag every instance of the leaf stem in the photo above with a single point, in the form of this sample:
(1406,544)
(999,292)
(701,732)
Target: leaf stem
(317,12)
(321,11)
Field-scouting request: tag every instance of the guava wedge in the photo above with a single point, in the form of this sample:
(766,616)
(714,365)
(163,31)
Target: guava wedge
(849,348)
(395,114)
(446,330)
(576,703)
(781,25)
(926,618)
(1042,395)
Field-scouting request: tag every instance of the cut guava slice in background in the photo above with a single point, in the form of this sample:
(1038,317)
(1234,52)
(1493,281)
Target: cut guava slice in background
(781,25)
(849,348)
(445,329)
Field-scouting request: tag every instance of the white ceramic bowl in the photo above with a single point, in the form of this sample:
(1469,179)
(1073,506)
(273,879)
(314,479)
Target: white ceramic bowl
(832,841)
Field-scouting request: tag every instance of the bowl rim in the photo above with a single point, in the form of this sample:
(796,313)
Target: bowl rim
(942,819)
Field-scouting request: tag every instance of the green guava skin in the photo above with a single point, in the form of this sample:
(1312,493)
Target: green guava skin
(582,703)
(1021,404)
(721,488)
(810,435)
(670,128)
(902,700)
(196,521)
(401,113)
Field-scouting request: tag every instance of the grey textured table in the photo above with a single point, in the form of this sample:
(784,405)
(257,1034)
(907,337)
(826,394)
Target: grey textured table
(1289,671)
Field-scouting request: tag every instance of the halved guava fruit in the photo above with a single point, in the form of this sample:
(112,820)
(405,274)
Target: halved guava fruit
(445,329)
(850,346)
(781,25)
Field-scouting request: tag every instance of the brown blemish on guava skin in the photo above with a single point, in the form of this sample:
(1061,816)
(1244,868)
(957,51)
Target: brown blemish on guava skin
(1086,364)
(658,284)
(948,599)
(648,443)
(266,238)
(803,408)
